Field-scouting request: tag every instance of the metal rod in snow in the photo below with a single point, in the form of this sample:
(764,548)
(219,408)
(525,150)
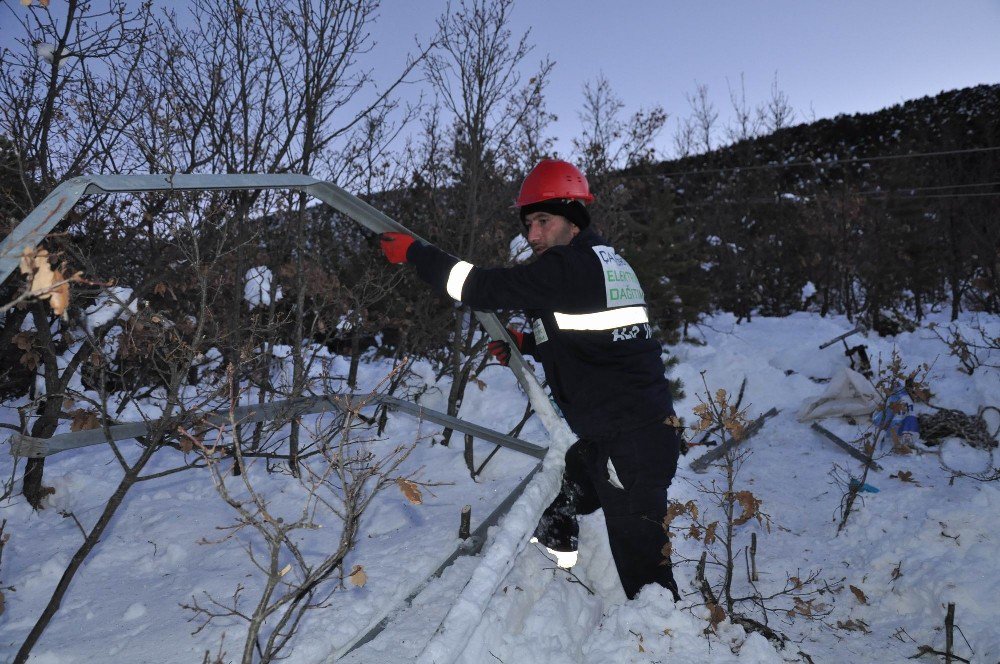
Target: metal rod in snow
(470,546)
(508,540)
(844,445)
(856,330)
(701,463)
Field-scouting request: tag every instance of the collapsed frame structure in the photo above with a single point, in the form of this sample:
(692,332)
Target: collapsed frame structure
(54,208)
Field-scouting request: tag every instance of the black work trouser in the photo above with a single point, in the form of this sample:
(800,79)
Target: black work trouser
(644,461)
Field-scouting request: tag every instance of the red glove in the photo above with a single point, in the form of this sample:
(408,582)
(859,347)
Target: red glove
(501,349)
(395,246)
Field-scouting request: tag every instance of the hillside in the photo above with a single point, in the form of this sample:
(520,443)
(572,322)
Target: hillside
(882,216)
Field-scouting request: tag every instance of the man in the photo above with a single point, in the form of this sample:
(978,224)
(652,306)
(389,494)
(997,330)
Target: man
(592,336)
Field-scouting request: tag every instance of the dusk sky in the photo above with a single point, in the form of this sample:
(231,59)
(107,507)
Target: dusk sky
(844,56)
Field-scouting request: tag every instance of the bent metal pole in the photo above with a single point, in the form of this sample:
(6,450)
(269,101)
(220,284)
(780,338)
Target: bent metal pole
(54,208)
(512,534)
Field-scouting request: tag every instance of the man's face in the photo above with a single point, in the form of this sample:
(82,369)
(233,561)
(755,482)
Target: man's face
(544,230)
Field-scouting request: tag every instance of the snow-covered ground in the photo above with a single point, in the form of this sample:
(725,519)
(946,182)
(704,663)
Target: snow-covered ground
(910,549)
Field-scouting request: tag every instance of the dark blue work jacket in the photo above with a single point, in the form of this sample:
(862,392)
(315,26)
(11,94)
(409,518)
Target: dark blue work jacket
(591,328)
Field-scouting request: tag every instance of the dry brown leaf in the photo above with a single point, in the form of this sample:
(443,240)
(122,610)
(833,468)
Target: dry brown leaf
(736,430)
(46,283)
(904,476)
(410,490)
(27,263)
(716,614)
(674,510)
(160,288)
(750,505)
(710,533)
(358,576)
(26,3)
(23,340)
(897,571)
(43,3)
(854,626)
(859,594)
(481,384)
(58,296)
(83,420)
(806,607)
(186,441)
(35,264)
(30,360)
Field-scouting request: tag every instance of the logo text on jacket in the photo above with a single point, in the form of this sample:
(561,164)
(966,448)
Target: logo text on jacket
(620,283)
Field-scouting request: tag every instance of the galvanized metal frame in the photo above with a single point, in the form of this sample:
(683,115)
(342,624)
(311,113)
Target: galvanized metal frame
(44,218)
(33,229)
(469,547)
(28,446)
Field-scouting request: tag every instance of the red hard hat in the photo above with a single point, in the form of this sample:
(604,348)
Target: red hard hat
(554,178)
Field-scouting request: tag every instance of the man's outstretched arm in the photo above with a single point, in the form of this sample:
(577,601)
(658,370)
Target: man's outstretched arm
(543,284)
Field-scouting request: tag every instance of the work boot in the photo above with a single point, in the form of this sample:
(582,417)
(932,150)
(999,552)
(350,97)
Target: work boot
(558,531)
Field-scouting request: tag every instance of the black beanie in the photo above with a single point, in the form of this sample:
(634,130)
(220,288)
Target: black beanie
(575,211)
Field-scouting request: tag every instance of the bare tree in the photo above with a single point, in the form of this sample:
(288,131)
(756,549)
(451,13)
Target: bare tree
(64,97)
(609,141)
(337,486)
(704,117)
(684,138)
(477,76)
(271,86)
(67,91)
(777,113)
(744,123)
(166,350)
(719,529)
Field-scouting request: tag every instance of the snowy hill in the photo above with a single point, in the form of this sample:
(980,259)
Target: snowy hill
(924,540)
